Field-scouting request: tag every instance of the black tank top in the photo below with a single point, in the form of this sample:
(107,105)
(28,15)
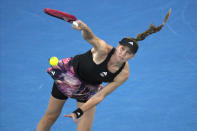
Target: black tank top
(92,73)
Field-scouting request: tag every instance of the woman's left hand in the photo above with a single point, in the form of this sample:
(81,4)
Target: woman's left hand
(72,115)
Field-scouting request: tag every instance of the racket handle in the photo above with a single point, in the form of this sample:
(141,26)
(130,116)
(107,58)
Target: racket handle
(74,23)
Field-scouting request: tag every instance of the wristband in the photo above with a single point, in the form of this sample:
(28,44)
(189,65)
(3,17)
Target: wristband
(78,112)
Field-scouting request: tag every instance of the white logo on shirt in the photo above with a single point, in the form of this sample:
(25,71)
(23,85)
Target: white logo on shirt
(103,74)
(131,43)
(78,113)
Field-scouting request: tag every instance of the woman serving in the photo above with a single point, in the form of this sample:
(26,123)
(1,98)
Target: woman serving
(80,77)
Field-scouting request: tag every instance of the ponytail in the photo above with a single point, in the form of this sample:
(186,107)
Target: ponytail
(132,43)
(153,29)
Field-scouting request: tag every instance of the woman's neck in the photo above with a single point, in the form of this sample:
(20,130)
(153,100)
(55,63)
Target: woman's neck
(114,61)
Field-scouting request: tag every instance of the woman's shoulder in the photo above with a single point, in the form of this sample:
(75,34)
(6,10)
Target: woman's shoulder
(105,49)
(123,75)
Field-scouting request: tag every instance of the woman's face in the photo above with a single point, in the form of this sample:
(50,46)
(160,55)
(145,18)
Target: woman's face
(123,53)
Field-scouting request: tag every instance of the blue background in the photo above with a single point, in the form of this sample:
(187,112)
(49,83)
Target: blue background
(161,93)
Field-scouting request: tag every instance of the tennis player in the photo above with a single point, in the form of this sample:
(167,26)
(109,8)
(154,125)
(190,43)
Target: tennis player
(80,77)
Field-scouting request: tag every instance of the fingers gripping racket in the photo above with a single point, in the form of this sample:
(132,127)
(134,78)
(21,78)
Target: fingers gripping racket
(61,15)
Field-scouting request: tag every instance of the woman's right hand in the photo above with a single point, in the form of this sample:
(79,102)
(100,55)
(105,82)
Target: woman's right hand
(80,25)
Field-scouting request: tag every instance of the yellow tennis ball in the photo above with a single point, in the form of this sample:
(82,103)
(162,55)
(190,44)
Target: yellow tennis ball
(53,61)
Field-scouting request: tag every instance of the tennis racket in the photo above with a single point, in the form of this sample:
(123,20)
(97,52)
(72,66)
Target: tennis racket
(61,15)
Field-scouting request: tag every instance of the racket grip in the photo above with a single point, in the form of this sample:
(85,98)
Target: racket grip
(74,23)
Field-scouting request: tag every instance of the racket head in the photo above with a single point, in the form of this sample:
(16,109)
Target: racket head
(60,14)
